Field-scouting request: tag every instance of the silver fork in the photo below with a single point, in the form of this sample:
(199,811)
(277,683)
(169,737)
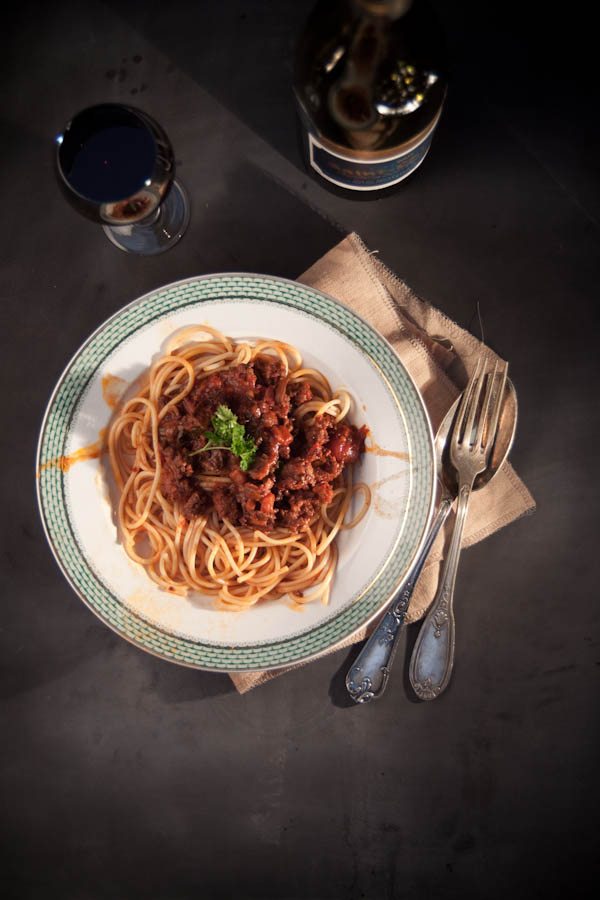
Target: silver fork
(470,449)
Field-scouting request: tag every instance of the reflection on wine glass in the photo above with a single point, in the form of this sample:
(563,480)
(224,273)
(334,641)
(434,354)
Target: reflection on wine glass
(115,165)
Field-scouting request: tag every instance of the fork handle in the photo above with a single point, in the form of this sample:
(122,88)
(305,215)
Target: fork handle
(368,677)
(433,654)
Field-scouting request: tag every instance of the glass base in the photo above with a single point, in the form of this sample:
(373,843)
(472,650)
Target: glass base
(166,228)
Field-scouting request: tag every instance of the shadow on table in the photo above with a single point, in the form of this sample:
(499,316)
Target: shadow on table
(216,45)
(173,683)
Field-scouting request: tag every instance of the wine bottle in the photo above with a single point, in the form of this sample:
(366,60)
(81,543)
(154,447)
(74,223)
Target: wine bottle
(370,82)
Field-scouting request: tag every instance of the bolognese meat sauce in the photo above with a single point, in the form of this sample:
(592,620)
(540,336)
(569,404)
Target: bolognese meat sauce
(295,464)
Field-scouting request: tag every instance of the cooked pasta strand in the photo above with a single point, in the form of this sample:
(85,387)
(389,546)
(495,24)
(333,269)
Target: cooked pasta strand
(237,565)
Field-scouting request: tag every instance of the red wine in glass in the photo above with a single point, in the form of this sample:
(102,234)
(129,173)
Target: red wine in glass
(115,165)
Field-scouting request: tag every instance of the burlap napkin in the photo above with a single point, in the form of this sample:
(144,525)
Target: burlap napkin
(439,355)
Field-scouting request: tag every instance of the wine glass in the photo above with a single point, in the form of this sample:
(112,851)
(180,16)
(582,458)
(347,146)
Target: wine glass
(115,165)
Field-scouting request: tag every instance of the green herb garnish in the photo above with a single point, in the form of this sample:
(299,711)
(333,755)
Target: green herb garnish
(229,434)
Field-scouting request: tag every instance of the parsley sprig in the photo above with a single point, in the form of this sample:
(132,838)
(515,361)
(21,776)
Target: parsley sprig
(229,434)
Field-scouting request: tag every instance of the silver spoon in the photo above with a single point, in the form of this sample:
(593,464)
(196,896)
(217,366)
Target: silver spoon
(433,654)
(368,677)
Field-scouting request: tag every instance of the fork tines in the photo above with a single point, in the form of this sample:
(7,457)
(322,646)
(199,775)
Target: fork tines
(492,404)
(481,403)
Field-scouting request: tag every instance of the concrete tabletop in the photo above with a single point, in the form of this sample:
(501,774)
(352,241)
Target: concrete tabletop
(125,776)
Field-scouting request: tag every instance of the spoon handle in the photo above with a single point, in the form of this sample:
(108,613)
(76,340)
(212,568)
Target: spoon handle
(369,675)
(433,654)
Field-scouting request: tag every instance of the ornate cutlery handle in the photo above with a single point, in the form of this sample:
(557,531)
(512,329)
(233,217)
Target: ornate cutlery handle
(433,653)
(369,675)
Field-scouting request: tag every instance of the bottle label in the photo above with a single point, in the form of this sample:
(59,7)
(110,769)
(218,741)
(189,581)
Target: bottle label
(358,174)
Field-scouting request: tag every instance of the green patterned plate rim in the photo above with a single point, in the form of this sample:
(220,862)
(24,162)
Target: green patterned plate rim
(203,295)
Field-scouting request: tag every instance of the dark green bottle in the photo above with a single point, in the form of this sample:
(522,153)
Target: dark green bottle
(370,82)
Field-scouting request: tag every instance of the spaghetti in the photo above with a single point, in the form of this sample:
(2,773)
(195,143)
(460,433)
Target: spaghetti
(207,517)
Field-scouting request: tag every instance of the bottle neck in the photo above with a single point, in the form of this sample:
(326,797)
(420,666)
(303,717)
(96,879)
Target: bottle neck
(389,9)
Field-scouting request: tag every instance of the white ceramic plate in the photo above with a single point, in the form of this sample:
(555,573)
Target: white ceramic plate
(74,482)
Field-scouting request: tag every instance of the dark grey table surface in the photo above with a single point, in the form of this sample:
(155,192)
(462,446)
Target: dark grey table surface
(124,776)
